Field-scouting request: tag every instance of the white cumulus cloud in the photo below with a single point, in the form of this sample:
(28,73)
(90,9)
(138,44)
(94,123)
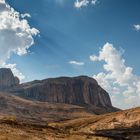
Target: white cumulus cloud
(76,63)
(26,15)
(137,27)
(16,35)
(84,3)
(117,78)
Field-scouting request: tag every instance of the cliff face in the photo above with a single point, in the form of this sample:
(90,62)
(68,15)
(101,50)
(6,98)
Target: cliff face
(7,79)
(80,90)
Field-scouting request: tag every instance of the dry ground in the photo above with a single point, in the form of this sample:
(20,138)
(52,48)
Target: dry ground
(114,126)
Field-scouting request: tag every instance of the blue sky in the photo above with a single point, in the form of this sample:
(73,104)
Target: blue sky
(68,33)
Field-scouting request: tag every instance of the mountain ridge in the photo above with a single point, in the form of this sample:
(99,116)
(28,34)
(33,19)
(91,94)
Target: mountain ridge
(81,90)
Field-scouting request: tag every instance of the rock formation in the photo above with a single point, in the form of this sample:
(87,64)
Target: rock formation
(80,90)
(7,79)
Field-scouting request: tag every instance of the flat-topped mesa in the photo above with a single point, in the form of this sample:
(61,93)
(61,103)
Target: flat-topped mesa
(7,79)
(81,90)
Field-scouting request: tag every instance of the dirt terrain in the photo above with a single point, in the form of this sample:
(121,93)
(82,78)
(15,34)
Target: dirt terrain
(22,119)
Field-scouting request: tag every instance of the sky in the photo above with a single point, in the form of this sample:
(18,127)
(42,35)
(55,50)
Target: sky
(52,38)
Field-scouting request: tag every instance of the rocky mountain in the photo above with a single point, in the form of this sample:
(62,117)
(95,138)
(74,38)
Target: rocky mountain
(80,90)
(83,91)
(7,79)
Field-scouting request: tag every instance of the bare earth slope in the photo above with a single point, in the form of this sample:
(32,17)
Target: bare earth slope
(11,105)
(123,125)
(21,119)
(119,125)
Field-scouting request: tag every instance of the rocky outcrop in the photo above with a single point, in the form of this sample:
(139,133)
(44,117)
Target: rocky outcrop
(80,90)
(7,79)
